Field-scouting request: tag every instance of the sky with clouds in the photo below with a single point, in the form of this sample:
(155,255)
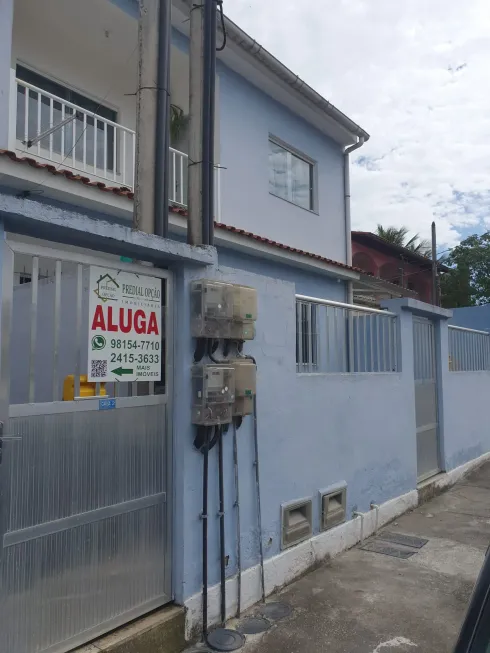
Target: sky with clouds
(413,73)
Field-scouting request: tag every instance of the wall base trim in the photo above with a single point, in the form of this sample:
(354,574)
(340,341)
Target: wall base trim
(437,484)
(292,563)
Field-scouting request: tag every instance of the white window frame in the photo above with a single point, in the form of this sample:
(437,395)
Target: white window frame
(292,151)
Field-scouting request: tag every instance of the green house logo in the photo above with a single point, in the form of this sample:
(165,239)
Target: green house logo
(107,288)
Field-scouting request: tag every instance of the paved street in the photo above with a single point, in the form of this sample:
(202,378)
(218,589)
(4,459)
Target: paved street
(365,602)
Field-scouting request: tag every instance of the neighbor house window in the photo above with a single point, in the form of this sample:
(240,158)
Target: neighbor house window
(306,337)
(76,135)
(291,176)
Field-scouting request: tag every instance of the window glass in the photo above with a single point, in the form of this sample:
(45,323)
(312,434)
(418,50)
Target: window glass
(278,171)
(290,176)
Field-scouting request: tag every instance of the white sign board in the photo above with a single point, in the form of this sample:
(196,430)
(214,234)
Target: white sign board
(125,326)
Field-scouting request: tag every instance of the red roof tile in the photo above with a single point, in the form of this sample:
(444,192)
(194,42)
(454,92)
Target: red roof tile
(123,191)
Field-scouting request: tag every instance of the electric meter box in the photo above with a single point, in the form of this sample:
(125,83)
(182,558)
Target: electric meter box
(245,386)
(211,309)
(213,394)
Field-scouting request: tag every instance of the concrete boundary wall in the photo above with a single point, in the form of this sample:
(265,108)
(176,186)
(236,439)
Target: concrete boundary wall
(315,431)
(292,563)
(289,565)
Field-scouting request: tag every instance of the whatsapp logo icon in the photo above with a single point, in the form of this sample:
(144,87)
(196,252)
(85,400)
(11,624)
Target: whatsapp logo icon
(98,342)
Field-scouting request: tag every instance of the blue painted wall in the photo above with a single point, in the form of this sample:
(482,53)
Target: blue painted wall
(466,422)
(247,117)
(306,282)
(314,431)
(472,317)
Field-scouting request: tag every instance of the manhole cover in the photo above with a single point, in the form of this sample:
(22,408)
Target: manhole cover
(276,610)
(225,639)
(406,540)
(376,546)
(253,625)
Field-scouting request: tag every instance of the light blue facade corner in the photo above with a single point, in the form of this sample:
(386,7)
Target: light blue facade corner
(248,117)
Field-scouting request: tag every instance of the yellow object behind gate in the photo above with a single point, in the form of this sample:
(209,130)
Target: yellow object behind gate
(87,388)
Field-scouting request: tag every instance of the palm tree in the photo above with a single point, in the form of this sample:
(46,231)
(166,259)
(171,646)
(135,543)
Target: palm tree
(398,236)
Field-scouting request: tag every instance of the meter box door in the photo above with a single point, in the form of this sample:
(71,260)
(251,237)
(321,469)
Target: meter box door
(245,386)
(244,312)
(244,303)
(213,394)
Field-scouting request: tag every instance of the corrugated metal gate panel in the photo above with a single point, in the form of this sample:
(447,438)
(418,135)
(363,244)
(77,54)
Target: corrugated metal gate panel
(425,398)
(84,512)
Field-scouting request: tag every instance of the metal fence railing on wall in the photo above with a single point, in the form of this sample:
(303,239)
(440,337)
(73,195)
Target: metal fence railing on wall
(332,337)
(469,350)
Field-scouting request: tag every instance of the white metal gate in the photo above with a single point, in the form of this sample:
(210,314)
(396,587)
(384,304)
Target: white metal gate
(425,398)
(84,513)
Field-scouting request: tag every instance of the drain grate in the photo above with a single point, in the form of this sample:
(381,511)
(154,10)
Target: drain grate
(405,540)
(378,546)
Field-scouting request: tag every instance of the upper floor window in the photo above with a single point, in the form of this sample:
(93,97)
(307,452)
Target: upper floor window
(291,176)
(87,137)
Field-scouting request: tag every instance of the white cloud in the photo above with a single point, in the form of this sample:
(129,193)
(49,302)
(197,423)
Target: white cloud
(414,75)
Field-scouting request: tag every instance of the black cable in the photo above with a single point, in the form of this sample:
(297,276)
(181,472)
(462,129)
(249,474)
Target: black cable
(222,526)
(215,438)
(238,528)
(223,26)
(210,351)
(200,350)
(203,439)
(204,517)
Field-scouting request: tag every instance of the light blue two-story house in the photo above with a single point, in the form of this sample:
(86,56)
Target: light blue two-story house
(101,499)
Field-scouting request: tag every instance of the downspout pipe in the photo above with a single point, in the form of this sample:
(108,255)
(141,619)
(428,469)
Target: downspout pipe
(162,133)
(208,117)
(348,225)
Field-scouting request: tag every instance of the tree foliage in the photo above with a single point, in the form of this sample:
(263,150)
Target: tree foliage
(468,281)
(399,236)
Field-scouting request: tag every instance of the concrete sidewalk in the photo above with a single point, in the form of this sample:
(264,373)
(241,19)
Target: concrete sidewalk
(365,602)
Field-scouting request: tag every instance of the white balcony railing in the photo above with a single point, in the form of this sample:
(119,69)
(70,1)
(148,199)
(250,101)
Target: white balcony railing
(56,130)
(52,129)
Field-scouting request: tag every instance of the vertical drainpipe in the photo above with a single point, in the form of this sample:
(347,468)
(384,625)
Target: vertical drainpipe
(348,248)
(162,135)
(348,241)
(208,116)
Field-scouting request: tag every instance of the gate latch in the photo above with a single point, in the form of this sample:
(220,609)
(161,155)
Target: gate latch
(5,437)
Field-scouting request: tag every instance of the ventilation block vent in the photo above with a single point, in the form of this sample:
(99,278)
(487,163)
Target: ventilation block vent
(333,508)
(296,522)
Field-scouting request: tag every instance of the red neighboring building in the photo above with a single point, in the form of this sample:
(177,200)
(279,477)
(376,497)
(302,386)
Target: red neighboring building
(393,263)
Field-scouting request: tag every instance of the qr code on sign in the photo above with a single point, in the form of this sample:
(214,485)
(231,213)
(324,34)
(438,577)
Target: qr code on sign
(98,369)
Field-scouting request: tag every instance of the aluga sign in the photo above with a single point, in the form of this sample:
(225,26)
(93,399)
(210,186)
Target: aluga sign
(125,326)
